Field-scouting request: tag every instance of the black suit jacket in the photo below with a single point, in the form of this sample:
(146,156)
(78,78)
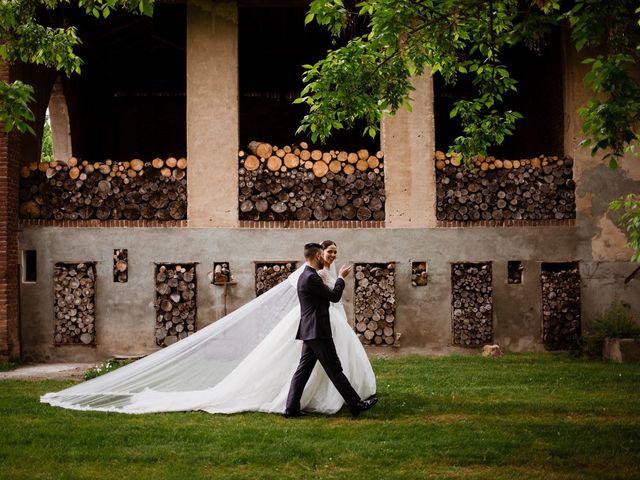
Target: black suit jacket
(314,298)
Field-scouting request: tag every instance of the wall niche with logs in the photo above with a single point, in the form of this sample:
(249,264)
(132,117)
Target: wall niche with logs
(270,274)
(120,265)
(221,273)
(540,188)
(514,272)
(561,319)
(472,304)
(419,274)
(81,190)
(375,303)
(74,303)
(175,302)
(298,183)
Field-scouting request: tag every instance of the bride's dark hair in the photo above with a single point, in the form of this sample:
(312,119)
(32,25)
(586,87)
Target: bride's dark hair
(327,243)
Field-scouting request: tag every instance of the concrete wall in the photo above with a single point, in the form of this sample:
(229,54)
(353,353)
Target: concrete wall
(126,317)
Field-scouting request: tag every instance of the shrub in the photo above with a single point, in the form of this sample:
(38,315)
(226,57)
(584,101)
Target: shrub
(6,366)
(615,322)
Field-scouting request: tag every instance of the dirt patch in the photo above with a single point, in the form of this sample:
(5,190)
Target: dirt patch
(50,371)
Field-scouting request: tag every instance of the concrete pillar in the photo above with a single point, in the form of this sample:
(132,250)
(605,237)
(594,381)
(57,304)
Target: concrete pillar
(408,141)
(212,113)
(60,127)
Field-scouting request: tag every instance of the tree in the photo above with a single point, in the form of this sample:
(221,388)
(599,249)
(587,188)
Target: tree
(24,38)
(370,75)
(630,220)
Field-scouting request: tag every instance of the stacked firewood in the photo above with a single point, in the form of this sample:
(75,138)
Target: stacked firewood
(375,303)
(74,304)
(133,190)
(561,326)
(540,188)
(175,302)
(221,273)
(472,304)
(419,275)
(120,265)
(296,183)
(270,274)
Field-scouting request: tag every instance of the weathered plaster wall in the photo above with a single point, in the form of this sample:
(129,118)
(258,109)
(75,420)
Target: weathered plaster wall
(597,184)
(126,316)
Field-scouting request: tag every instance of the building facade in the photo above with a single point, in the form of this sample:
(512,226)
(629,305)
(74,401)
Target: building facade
(198,107)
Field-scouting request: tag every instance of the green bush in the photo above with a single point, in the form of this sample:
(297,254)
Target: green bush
(106,367)
(615,322)
(6,366)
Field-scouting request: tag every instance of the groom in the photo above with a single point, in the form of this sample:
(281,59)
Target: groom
(315,332)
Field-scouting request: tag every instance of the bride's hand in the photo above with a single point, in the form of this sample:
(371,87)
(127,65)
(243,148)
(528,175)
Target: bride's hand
(345,270)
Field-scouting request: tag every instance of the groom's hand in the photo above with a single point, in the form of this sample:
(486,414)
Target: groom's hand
(345,270)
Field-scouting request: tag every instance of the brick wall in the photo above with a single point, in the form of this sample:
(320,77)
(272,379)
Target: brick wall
(9,283)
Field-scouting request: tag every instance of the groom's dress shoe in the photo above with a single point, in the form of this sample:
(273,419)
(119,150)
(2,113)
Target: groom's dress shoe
(363,405)
(295,413)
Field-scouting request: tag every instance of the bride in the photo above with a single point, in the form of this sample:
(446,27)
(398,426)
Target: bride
(242,362)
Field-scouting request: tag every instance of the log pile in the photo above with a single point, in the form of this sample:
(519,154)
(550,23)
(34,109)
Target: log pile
(74,303)
(471,304)
(270,274)
(133,190)
(540,188)
(561,324)
(175,302)
(221,273)
(120,265)
(298,183)
(419,275)
(375,303)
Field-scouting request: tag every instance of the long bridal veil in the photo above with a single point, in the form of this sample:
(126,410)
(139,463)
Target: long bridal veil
(195,363)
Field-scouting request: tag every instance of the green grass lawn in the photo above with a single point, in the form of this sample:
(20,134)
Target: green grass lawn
(520,416)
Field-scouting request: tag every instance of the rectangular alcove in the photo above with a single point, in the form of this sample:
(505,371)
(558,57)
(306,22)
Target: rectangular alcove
(29,266)
(74,303)
(120,265)
(271,273)
(472,304)
(375,303)
(419,274)
(221,273)
(176,307)
(514,272)
(561,319)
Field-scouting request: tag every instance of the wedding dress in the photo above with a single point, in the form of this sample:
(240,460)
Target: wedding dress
(243,362)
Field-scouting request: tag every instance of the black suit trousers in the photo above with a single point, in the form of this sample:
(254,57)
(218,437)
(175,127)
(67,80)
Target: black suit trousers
(324,351)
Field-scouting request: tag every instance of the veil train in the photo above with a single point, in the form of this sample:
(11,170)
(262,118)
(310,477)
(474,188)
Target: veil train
(196,363)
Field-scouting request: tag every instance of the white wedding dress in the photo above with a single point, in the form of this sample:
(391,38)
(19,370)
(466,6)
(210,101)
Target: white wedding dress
(240,363)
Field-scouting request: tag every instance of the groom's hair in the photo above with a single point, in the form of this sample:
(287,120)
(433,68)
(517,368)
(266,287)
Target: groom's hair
(311,250)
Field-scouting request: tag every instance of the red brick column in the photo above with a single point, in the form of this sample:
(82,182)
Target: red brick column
(9,281)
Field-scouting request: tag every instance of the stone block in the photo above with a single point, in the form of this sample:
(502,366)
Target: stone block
(621,350)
